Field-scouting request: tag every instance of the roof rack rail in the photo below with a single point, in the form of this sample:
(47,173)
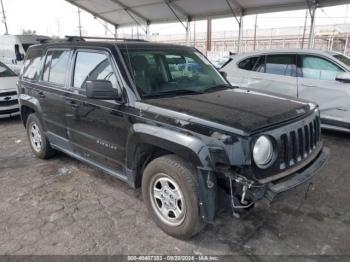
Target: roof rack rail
(72,38)
(43,40)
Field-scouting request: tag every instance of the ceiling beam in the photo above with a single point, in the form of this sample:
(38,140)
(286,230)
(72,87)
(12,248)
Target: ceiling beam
(131,11)
(73,2)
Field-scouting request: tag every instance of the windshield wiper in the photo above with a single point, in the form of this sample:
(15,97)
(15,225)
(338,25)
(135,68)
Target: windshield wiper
(174,92)
(218,87)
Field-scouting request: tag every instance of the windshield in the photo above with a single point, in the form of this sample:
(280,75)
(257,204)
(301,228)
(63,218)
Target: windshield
(342,58)
(160,72)
(5,71)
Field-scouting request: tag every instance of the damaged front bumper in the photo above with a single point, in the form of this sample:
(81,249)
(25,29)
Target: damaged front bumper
(245,193)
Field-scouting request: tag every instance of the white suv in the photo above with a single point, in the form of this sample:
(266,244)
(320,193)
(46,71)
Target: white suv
(319,76)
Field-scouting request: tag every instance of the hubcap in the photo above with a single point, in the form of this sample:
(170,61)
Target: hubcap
(167,200)
(35,137)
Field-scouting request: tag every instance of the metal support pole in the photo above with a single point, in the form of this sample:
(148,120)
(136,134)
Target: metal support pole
(194,33)
(79,21)
(148,33)
(346,44)
(304,32)
(4,18)
(188,32)
(116,31)
(209,25)
(255,26)
(240,33)
(312,26)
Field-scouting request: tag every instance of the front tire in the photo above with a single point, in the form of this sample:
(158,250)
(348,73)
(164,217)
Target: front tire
(169,188)
(37,139)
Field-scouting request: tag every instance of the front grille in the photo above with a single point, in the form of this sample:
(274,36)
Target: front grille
(296,145)
(10,111)
(4,94)
(8,103)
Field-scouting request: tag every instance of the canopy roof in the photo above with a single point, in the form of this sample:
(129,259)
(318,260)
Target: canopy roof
(132,12)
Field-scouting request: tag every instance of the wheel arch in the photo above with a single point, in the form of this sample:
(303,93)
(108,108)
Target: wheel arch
(29,105)
(146,142)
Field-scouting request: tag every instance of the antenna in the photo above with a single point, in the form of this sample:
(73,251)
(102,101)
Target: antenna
(4,18)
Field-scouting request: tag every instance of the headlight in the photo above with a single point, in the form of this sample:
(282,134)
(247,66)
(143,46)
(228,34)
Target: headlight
(263,152)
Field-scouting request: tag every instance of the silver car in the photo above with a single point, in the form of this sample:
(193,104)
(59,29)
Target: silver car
(314,75)
(8,92)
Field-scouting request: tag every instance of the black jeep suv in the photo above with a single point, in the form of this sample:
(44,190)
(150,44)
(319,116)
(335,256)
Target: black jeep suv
(161,117)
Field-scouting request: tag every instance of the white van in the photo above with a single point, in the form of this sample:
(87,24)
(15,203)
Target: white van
(14,47)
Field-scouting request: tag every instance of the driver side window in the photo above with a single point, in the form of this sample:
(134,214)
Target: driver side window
(314,67)
(92,66)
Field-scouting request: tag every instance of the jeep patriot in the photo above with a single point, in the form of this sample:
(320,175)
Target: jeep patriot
(161,117)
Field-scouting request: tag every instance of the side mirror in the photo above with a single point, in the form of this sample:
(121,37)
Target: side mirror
(100,89)
(224,74)
(343,77)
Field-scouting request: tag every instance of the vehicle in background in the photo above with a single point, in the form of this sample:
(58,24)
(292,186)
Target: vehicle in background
(319,76)
(8,92)
(219,62)
(14,47)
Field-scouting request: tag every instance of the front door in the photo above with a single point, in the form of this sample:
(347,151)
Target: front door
(97,128)
(316,82)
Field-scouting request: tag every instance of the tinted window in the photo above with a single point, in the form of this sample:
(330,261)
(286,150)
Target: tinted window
(168,71)
(5,71)
(343,58)
(314,67)
(249,63)
(92,66)
(260,65)
(55,67)
(31,68)
(280,65)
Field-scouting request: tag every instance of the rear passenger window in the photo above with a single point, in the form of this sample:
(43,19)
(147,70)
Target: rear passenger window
(92,66)
(248,64)
(280,65)
(31,68)
(56,64)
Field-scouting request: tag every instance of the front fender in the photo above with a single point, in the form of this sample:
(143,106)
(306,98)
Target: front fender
(185,145)
(202,154)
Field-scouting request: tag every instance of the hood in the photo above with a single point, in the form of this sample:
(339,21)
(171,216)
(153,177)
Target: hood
(241,109)
(8,83)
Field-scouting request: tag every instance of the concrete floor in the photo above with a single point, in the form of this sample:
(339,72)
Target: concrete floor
(61,206)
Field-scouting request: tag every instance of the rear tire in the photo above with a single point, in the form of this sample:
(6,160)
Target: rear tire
(169,188)
(38,142)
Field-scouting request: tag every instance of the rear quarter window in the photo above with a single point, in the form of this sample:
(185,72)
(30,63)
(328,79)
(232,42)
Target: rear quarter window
(248,64)
(32,63)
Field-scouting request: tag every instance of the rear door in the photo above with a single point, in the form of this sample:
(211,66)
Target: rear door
(316,82)
(275,73)
(97,128)
(50,91)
